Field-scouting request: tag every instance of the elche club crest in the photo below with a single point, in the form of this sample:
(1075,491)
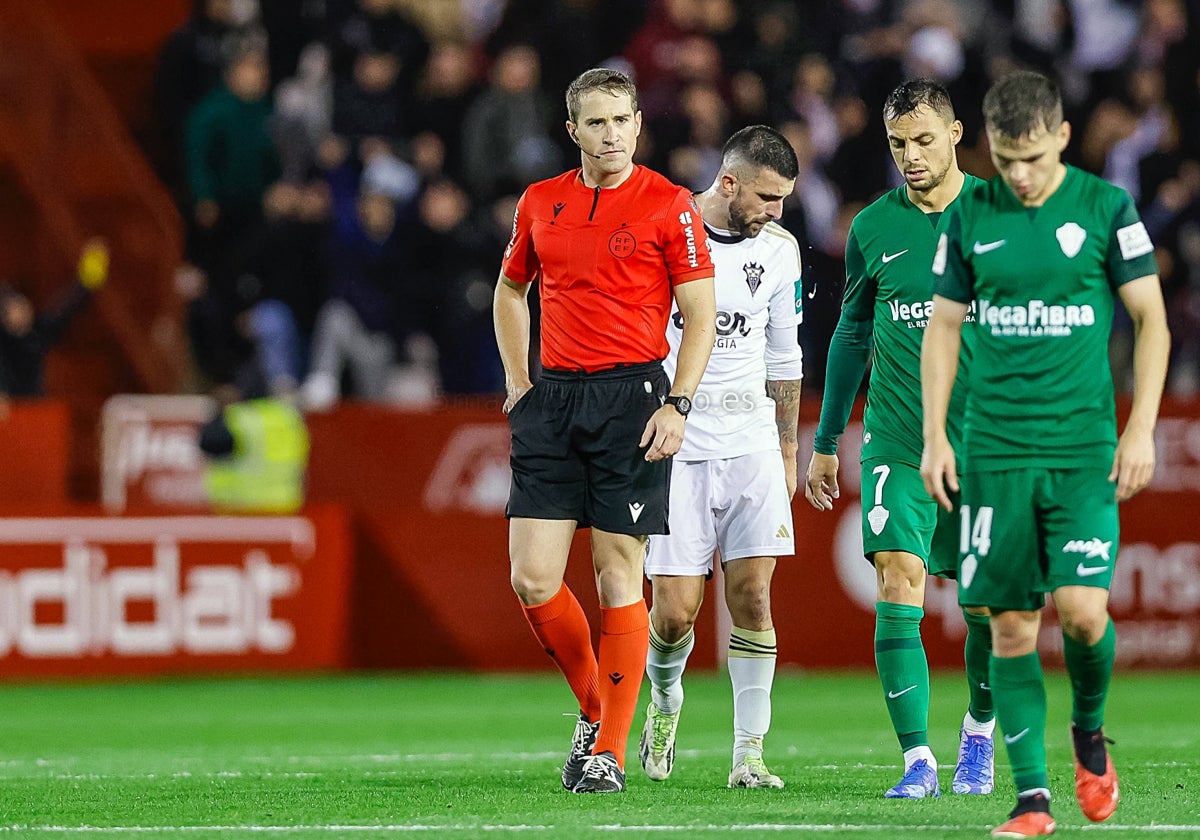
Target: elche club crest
(1070,238)
(754,273)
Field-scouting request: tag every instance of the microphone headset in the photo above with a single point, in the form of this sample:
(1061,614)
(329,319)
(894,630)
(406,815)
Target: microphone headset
(575,140)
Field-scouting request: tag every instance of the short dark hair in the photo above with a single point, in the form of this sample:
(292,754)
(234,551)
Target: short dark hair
(1022,102)
(763,148)
(914,93)
(604,79)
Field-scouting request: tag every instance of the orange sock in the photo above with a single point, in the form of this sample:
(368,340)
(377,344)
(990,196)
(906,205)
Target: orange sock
(562,628)
(624,639)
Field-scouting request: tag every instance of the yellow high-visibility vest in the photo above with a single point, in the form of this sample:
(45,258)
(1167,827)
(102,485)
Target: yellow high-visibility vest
(265,471)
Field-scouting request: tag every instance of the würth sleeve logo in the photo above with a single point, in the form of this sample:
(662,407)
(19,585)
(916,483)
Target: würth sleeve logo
(689,235)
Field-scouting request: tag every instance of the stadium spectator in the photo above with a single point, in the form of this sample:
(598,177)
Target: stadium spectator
(696,157)
(811,98)
(598,31)
(373,27)
(608,243)
(905,536)
(802,65)
(190,65)
(371,104)
(1039,497)
(304,113)
(444,95)
(356,326)
(730,489)
(282,282)
(505,142)
(231,161)
(447,282)
(26,336)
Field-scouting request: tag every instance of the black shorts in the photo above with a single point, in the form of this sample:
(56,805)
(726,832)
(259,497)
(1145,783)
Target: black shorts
(575,452)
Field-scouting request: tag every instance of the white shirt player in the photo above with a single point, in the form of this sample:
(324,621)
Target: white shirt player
(759,306)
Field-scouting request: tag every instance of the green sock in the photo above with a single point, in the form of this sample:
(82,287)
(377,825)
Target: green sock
(976,653)
(1020,695)
(903,671)
(1091,670)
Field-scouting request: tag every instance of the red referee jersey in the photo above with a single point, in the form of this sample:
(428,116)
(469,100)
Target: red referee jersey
(606,260)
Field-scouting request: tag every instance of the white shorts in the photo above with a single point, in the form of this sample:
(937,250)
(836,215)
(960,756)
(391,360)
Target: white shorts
(737,505)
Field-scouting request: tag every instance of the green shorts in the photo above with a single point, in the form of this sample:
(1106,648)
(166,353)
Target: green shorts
(1030,531)
(899,515)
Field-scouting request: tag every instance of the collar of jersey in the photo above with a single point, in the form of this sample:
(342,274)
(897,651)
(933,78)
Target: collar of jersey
(725,237)
(633,176)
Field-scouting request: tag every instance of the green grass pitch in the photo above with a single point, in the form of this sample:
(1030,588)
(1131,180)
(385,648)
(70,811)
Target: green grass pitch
(466,756)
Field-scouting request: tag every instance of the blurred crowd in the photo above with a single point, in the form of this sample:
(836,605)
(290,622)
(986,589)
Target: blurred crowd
(349,168)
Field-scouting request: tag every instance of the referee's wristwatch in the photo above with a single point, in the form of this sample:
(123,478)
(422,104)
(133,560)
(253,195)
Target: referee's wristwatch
(682,404)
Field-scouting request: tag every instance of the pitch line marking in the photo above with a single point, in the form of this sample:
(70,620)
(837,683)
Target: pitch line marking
(434,828)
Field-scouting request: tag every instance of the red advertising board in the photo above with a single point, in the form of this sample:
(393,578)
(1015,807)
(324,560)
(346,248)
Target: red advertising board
(34,451)
(428,493)
(150,454)
(90,594)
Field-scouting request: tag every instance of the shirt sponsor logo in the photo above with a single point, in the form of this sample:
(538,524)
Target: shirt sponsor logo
(1036,318)
(1134,241)
(1094,547)
(918,313)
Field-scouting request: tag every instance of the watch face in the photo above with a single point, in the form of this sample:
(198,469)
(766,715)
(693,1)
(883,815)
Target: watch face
(682,404)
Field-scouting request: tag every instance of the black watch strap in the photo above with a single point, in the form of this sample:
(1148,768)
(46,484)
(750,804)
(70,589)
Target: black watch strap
(682,404)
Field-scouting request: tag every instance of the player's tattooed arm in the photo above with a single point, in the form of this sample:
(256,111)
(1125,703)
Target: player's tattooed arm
(786,394)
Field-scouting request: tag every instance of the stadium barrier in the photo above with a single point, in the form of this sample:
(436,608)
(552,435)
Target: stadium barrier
(428,493)
(400,559)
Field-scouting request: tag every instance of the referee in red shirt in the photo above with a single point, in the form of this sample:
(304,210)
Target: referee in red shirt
(609,243)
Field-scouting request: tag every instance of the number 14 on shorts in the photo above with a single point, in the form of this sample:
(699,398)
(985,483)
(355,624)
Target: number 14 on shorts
(974,538)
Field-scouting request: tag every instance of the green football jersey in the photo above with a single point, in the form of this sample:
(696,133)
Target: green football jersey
(1042,280)
(888,298)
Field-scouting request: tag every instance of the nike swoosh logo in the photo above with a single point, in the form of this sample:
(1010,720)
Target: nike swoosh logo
(892,695)
(1012,739)
(983,248)
(887,258)
(985,686)
(1088,571)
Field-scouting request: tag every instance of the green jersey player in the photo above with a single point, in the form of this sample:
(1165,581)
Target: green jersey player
(885,310)
(1042,251)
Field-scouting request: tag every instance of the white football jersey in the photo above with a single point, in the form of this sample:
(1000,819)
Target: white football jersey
(757,288)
